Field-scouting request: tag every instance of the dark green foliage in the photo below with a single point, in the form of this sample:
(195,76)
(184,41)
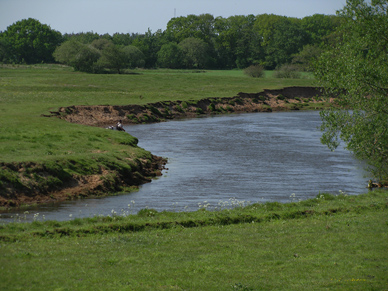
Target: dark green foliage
(184,105)
(211,107)
(133,118)
(155,110)
(239,101)
(199,110)
(195,53)
(179,109)
(29,41)
(171,56)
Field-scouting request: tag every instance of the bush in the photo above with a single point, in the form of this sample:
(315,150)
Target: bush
(211,107)
(199,110)
(287,71)
(255,71)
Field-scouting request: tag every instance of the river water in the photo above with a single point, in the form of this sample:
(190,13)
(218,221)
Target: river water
(226,160)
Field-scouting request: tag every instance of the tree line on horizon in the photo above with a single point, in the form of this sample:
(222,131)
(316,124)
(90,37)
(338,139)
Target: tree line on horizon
(189,42)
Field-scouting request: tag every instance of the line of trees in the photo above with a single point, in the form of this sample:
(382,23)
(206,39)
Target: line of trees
(193,41)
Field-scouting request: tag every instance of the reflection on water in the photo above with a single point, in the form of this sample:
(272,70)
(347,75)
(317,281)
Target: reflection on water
(249,157)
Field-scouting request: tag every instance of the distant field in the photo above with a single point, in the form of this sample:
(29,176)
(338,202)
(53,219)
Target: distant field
(26,92)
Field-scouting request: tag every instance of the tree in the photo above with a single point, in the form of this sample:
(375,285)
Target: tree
(6,55)
(355,69)
(318,26)
(288,39)
(195,52)
(197,26)
(149,44)
(234,41)
(133,57)
(113,57)
(31,41)
(170,56)
(306,57)
(80,56)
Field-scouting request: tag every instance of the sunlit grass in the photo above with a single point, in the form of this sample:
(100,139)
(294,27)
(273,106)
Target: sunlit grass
(330,242)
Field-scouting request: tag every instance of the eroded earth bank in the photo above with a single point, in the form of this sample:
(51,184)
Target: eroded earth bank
(290,98)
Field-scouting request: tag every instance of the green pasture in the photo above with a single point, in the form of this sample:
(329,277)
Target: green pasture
(327,243)
(26,92)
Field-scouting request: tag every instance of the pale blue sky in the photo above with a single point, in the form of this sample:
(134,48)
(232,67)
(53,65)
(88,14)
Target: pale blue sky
(136,16)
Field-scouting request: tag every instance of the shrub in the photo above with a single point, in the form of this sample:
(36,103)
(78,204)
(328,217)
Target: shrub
(179,109)
(155,110)
(211,107)
(239,101)
(287,71)
(199,110)
(255,71)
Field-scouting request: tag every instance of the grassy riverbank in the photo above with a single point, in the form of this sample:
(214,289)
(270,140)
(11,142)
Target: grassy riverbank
(331,242)
(56,151)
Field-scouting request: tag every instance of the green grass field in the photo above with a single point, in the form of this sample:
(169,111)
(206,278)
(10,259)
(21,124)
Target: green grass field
(331,242)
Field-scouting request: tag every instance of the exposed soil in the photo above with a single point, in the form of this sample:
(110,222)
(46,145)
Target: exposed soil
(31,184)
(25,188)
(291,98)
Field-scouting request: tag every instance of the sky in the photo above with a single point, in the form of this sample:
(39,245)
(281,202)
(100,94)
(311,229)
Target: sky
(137,16)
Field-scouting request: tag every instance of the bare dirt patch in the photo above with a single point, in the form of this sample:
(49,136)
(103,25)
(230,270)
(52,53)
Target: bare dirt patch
(290,98)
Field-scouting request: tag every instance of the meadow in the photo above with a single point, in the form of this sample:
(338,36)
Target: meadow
(331,242)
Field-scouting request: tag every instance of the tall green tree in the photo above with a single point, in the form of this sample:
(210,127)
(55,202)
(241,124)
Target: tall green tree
(170,56)
(195,52)
(318,26)
(6,55)
(234,40)
(197,26)
(149,44)
(355,69)
(31,41)
(288,38)
(80,56)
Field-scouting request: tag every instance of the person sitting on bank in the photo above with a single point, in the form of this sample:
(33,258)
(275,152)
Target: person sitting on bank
(119,126)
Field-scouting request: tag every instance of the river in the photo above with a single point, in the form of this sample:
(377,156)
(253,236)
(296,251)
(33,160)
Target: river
(226,160)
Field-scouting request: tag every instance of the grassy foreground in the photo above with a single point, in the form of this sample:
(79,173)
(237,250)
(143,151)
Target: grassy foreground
(331,242)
